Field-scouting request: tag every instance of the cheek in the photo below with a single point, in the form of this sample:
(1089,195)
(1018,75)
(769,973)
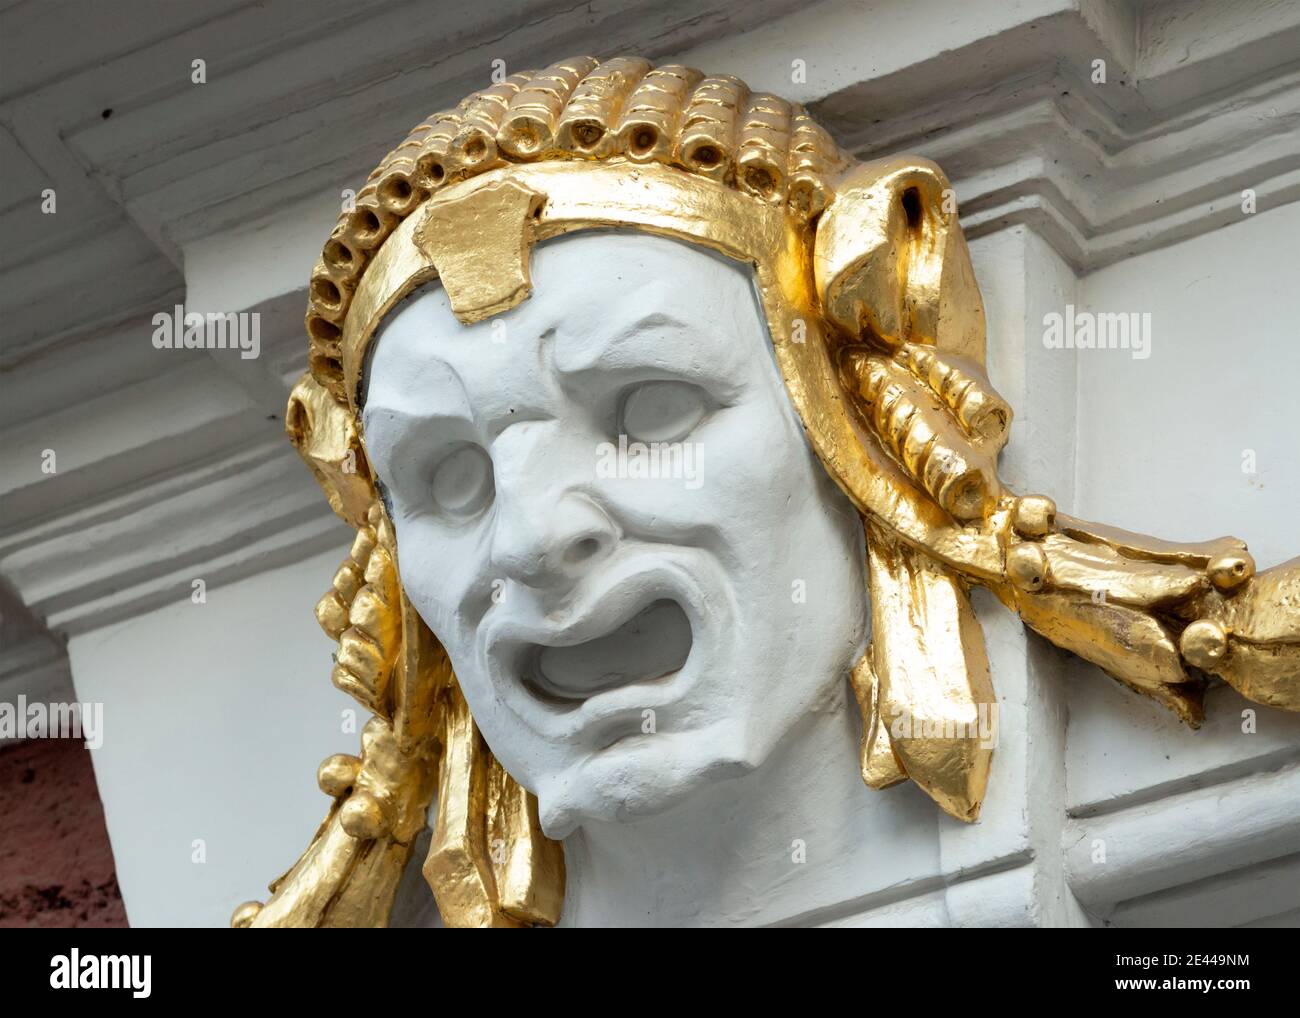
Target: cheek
(445,580)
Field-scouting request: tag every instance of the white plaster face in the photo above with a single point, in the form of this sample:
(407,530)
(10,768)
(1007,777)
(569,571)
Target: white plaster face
(624,627)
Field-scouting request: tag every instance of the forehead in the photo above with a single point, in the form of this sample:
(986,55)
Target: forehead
(600,300)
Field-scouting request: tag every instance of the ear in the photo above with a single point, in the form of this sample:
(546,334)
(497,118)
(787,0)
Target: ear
(891,263)
(325,435)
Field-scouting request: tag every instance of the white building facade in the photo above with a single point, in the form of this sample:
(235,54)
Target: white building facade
(1111,157)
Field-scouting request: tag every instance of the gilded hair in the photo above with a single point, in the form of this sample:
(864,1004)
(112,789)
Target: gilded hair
(576,109)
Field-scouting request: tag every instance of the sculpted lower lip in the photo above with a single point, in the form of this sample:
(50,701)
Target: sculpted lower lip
(653,643)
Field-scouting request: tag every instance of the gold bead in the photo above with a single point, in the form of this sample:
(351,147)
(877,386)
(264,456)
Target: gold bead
(364,817)
(244,915)
(1034,516)
(1204,644)
(1228,572)
(1027,567)
(332,615)
(337,773)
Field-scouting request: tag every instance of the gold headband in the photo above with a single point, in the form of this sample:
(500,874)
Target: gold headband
(576,111)
(509,209)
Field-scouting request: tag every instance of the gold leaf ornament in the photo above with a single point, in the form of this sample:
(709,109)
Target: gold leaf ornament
(878,330)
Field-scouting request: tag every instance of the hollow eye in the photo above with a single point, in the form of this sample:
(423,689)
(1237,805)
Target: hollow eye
(462,482)
(662,411)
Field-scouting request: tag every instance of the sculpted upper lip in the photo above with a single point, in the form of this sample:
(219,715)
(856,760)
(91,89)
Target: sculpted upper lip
(588,614)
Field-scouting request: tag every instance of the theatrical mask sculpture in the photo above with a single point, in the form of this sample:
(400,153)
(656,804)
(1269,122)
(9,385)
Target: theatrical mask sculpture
(618,543)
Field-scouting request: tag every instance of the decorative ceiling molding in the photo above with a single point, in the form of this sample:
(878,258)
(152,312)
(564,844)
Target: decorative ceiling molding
(1051,155)
(170,467)
(236,514)
(34,662)
(143,160)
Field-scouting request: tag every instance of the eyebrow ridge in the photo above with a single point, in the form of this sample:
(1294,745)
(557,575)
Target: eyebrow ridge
(612,337)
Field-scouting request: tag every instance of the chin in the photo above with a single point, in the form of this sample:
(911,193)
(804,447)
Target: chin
(642,776)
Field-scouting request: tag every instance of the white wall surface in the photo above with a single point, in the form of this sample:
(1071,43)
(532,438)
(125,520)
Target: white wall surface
(1160,446)
(215,718)
(1161,441)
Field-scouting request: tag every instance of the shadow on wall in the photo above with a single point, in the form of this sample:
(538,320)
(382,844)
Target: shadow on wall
(56,864)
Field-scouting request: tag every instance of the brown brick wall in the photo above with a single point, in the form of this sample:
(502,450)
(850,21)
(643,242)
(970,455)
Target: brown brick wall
(56,865)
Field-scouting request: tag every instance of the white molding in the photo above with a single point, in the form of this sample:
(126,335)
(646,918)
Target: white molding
(234,515)
(1183,841)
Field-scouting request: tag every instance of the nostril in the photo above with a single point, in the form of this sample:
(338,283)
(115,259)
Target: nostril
(582,550)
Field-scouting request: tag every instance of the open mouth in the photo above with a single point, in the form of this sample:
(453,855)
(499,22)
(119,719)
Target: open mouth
(652,644)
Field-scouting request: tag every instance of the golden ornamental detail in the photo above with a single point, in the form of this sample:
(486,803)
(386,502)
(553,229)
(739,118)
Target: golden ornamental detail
(878,330)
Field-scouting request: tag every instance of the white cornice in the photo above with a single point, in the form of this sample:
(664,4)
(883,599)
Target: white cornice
(1167,857)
